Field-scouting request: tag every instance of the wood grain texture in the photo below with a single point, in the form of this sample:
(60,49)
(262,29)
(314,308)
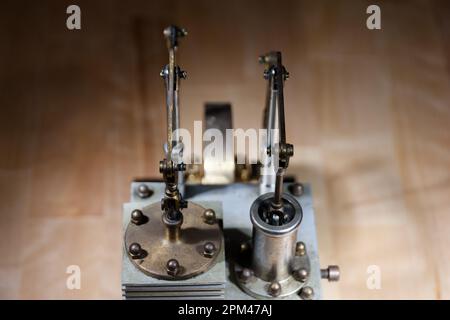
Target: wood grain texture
(82,114)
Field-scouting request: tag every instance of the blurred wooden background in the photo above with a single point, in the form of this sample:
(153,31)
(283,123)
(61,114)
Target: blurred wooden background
(82,114)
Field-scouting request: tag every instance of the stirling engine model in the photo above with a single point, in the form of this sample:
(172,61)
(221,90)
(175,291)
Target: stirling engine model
(225,230)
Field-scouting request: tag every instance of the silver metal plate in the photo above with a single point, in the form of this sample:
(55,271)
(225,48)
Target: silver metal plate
(233,202)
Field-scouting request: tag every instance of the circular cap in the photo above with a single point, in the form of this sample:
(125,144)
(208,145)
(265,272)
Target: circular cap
(274,289)
(290,206)
(135,249)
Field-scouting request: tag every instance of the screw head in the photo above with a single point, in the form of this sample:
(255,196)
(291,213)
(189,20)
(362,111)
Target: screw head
(144,191)
(173,267)
(209,249)
(245,246)
(135,250)
(245,274)
(332,273)
(164,72)
(301,275)
(209,216)
(300,249)
(274,289)
(261,59)
(297,189)
(307,293)
(137,217)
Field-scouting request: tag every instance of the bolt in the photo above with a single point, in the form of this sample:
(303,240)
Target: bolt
(135,250)
(164,72)
(245,274)
(144,191)
(208,249)
(183,204)
(296,189)
(301,275)
(332,273)
(306,293)
(300,249)
(181,167)
(261,59)
(209,216)
(137,217)
(245,248)
(173,267)
(274,289)
(167,32)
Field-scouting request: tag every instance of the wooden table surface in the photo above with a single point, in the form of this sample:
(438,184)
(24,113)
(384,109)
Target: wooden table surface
(82,114)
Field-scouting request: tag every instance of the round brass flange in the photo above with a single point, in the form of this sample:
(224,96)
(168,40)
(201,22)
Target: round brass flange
(260,288)
(193,252)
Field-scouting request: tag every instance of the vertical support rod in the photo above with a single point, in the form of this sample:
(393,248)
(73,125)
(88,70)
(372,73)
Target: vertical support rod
(170,102)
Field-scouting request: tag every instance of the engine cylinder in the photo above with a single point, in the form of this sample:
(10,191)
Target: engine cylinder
(274,239)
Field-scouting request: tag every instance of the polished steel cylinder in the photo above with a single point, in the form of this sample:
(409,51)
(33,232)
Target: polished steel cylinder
(274,245)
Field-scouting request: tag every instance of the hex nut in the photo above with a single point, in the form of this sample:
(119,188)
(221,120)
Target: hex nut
(300,249)
(173,267)
(274,289)
(209,249)
(135,250)
(307,293)
(137,217)
(144,191)
(296,189)
(245,275)
(209,216)
(301,275)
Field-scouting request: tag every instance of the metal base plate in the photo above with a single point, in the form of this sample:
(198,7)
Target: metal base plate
(233,201)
